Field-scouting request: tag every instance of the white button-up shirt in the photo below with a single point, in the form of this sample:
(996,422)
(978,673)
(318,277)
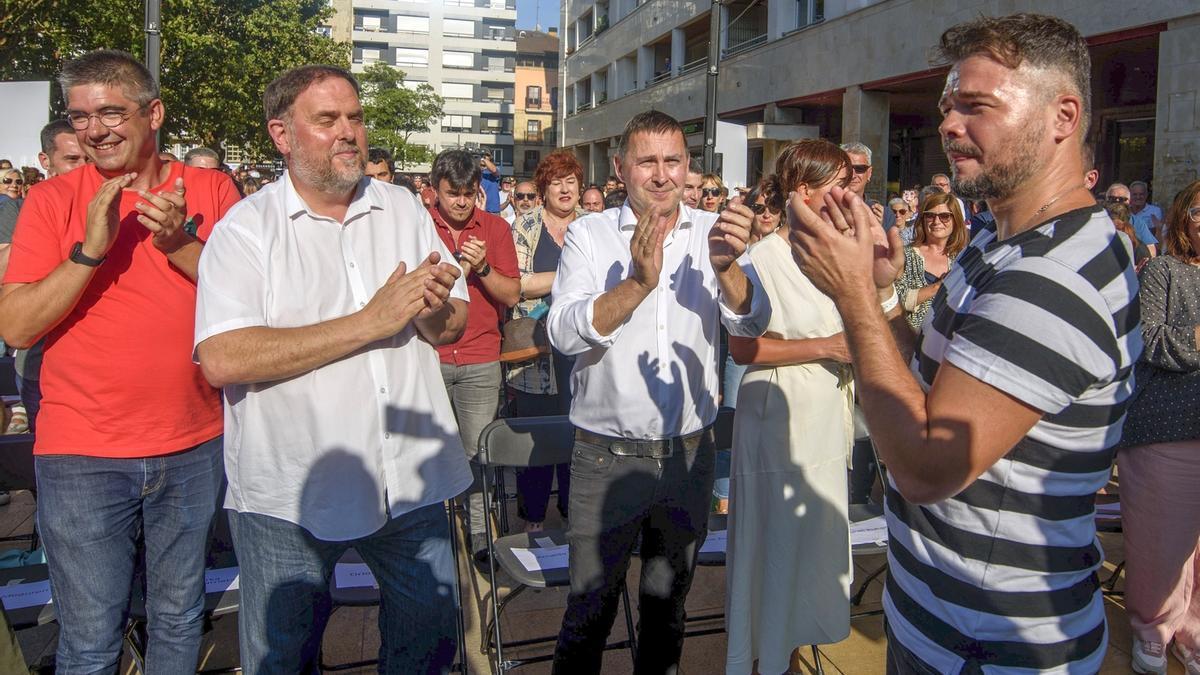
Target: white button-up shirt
(655,376)
(337,449)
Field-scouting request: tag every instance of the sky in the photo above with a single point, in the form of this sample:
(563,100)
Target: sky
(544,12)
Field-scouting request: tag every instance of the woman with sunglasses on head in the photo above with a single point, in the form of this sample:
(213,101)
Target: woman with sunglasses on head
(787,582)
(1159,463)
(1122,218)
(940,236)
(541,386)
(904,218)
(712,190)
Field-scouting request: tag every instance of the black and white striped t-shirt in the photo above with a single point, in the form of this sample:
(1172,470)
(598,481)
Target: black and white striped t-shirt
(1002,577)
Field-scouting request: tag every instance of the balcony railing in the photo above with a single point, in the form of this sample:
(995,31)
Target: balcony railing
(533,103)
(692,67)
(584,106)
(745,45)
(661,77)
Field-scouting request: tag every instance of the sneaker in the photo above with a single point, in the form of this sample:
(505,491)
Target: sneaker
(1149,657)
(5,498)
(479,549)
(1190,658)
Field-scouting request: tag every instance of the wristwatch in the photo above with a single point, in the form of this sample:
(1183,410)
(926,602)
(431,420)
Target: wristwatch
(78,256)
(486,270)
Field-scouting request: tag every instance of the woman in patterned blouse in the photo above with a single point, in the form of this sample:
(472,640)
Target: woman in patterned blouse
(940,236)
(541,387)
(1160,465)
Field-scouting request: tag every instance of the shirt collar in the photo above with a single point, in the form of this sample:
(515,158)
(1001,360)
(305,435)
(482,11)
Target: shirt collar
(627,221)
(364,200)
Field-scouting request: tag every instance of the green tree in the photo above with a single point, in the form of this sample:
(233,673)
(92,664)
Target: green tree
(217,55)
(394,113)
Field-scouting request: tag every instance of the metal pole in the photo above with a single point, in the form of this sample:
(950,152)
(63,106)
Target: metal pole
(710,94)
(153,41)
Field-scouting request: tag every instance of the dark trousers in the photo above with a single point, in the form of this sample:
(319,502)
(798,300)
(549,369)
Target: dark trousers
(901,661)
(613,501)
(534,483)
(863,471)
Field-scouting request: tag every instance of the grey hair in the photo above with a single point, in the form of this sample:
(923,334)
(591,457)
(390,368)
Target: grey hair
(1144,185)
(113,68)
(1116,185)
(896,201)
(201,152)
(858,149)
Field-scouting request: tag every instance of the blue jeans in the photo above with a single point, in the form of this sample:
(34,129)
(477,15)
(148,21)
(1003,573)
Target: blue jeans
(731,382)
(285,601)
(90,511)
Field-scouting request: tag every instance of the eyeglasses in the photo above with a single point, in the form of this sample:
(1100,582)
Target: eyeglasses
(525,195)
(900,212)
(1194,214)
(80,121)
(945,218)
(860,168)
(1117,200)
(758,209)
(711,192)
(10,181)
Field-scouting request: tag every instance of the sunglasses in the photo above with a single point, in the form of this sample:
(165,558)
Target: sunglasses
(759,209)
(711,192)
(860,168)
(1117,200)
(944,217)
(10,181)
(900,212)
(525,195)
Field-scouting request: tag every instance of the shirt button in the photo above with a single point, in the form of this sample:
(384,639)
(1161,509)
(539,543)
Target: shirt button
(383,390)
(352,264)
(362,304)
(387,435)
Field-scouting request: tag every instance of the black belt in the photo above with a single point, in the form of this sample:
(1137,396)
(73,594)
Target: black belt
(658,449)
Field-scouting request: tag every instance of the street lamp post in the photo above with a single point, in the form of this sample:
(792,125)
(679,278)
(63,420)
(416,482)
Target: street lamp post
(710,94)
(154,41)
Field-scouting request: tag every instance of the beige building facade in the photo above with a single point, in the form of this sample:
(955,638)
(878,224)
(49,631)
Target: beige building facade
(537,96)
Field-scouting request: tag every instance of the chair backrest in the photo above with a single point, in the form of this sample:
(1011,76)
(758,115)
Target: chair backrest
(526,441)
(723,429)
(16,462)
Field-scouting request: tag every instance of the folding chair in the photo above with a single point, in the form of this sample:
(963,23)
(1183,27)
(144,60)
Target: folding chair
(861,513)
(1112,523)
(368,596)
(37,611)
(526,442)
(17,473)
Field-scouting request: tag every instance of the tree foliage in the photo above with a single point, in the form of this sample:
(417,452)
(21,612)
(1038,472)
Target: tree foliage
(217,55)
(394,112)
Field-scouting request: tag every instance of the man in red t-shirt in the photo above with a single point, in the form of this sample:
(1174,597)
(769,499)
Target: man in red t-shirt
(103,266)
(483,244)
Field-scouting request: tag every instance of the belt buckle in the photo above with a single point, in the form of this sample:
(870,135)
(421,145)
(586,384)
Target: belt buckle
(622,449)
(663,449)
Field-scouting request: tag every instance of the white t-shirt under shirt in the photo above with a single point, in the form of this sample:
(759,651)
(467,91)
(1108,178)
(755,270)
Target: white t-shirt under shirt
(339,449)
(1003,574)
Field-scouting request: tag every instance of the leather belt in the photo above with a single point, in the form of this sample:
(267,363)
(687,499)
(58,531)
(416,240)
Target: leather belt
(656,449)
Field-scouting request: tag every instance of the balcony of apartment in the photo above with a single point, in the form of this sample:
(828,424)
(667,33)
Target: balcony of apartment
(745,26)
(659,53)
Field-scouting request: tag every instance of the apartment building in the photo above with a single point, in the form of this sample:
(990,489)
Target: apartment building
(464,49)
(537,99)
(859,70)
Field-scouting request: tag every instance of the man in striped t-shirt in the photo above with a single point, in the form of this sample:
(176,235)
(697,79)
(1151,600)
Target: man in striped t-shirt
(1001,426)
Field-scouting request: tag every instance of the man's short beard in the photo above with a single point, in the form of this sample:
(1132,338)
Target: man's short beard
(319,172)
(1008,172)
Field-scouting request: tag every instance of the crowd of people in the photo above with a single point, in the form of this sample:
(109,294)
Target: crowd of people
(317,352)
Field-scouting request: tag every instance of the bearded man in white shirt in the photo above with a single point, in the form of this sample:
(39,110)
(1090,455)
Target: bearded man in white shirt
(321,298)
(638,299)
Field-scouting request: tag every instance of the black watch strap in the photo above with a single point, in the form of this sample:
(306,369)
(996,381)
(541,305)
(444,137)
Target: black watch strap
(487,269)
(78,256)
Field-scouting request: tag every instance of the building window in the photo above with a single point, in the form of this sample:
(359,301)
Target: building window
(532,157)
(372,23)
(495,63)
(501,156)
(554,98)
(809,12)
(413,85)
(412,57)
(533,97)
(533,130)
(456,91)
(456,123)
(412,24)
(459,27)
(458,59)
(495,94)
(370,55)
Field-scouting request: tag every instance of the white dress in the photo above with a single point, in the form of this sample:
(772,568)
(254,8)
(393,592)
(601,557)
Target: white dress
(788,576)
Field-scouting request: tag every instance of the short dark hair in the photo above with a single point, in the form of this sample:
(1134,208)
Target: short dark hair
(649,122)
(281,94)
(377,155)
(1040,40)
(458,167)
(110,67)
(1088,153)
(50,134)
(201,152)
(615,199)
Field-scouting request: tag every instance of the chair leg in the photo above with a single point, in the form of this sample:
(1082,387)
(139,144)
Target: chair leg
(135,642)
(460,623)
(1111,584)
(817,660)
(629,626)
(862,590)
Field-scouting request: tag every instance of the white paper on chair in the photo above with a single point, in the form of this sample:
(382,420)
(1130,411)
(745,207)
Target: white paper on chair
(870,531)
(19,596)
(1108,511)
(543,558)
(715,542)
(353,575)
(544,542)
(221,580)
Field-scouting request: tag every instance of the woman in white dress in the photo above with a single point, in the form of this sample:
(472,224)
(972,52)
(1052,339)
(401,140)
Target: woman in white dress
(788,577)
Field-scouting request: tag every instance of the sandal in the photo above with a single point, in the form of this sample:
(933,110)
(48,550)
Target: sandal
(19,422)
